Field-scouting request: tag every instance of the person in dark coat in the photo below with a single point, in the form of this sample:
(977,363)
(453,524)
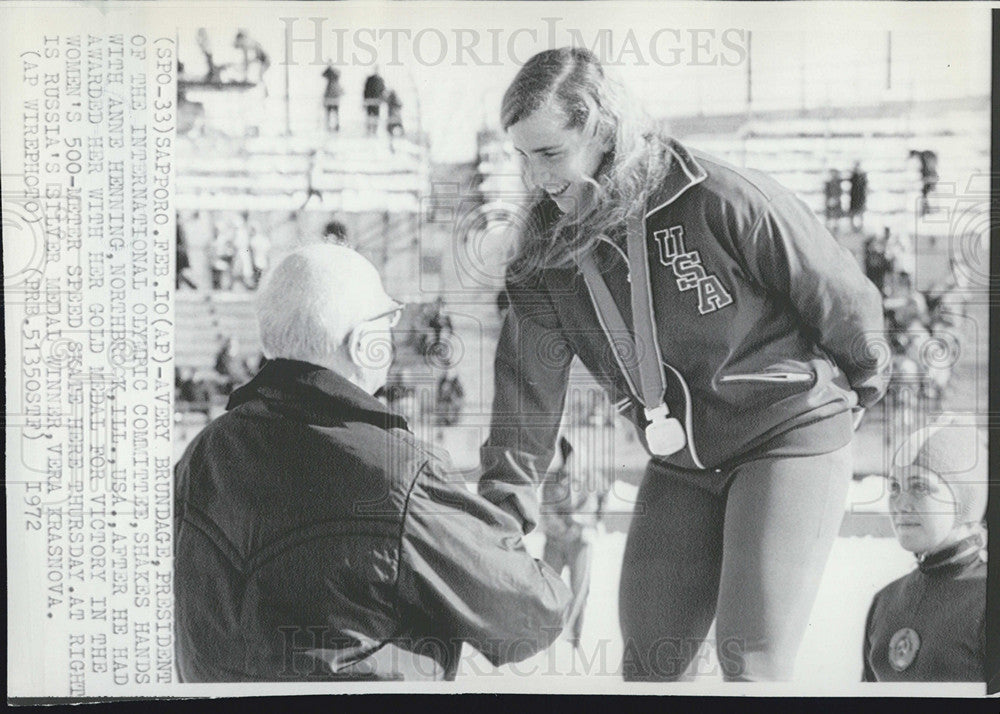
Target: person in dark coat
(930,625)
(876,263)
(834,197)
(331,97)
(315,538)
(450,399)
(858,196)
(183,260)
(394,114)
(373,96)
(255,56)
(230,367)
(205,45)
(928,176)
(335,232)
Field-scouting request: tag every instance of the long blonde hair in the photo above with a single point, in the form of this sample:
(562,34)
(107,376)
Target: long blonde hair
(600,107)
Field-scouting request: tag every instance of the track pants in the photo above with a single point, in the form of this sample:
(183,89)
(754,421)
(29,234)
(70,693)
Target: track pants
(751,558)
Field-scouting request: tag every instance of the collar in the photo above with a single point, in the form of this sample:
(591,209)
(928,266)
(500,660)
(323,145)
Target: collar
(303,386)
(955,559)
(684,172)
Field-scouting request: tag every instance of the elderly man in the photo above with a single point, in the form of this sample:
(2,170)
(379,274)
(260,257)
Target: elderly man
(316,539)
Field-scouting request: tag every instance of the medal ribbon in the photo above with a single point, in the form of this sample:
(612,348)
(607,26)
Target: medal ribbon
(638,356)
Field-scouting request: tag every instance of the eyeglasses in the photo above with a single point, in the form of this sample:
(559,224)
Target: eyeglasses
(395,312)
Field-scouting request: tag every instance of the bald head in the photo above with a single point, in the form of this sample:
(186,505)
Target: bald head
(313,298)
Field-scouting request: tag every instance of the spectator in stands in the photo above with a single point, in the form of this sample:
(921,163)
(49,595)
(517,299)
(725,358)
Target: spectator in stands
(450,399)
(260,248)
(205,45)
(928,177)
(221,254)
(901,255)
(314,172)
(394,114)
(858,196)
(834,197)
(876,264)
(190,115)
(905,305)
(930,625)
(186,385)
(948,298)
(440,326)
(315,538)
(230,367)
(567,520)
(183,259)
(396,387)
(400,395)
(373,96)
(242,269)
(254,57)
(331,97)
(440,320)
(335,233)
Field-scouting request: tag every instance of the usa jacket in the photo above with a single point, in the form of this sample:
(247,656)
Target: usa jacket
(769,332)
(317,539)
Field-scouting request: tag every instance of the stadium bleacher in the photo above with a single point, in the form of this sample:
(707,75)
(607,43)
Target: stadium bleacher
(800,151)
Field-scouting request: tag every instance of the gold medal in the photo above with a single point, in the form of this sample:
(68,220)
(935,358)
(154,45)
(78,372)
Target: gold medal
(664,434)
(903,648)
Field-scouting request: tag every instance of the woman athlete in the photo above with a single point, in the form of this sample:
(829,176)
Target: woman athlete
(730,328)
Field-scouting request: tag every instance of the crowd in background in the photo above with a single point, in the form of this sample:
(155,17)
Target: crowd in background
(914,317)
(237,254)
(375,94)
(846,193)
(924,327)
(378,98)
(850,203)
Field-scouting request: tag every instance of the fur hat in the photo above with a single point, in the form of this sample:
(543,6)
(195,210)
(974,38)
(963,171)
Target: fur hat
(957,453)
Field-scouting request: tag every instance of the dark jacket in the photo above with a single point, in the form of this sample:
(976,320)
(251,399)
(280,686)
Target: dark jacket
(374,87)
(748,287)
(309,519)
(930,625)
(859,190)
(333,88)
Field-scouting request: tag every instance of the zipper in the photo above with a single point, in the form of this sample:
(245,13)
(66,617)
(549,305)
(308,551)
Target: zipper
(688,425)
(770,377)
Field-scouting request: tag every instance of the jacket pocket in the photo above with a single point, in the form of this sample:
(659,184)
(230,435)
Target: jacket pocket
(769,377)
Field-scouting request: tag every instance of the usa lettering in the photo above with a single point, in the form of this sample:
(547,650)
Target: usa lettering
(689,272)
